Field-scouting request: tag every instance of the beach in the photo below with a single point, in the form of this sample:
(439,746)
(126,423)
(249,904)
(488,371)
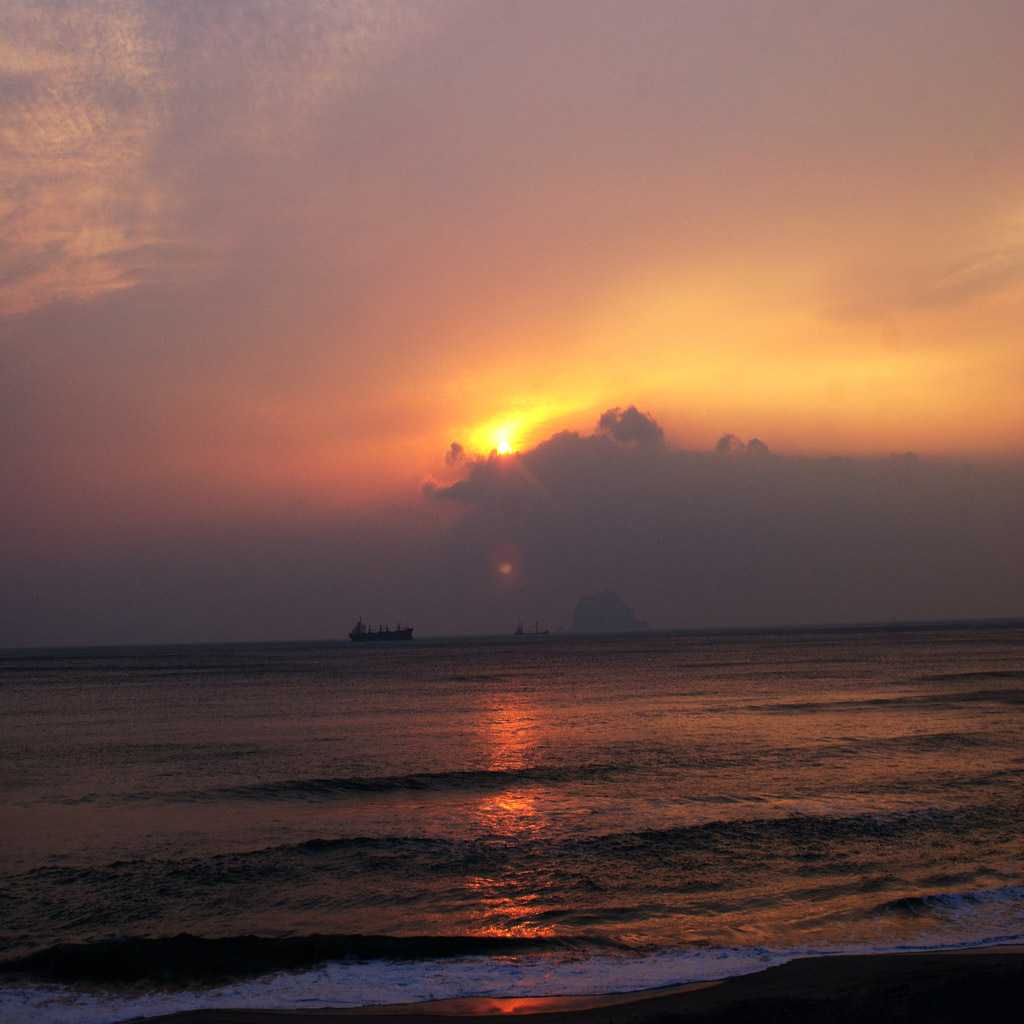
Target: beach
(963,985)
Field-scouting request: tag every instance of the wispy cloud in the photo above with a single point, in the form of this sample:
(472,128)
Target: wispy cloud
(79,110)
(126,125)
(995,270)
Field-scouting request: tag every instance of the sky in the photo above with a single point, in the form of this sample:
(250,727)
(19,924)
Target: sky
(738,285)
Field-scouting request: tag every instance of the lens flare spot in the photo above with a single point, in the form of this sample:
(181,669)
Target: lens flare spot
(506,563)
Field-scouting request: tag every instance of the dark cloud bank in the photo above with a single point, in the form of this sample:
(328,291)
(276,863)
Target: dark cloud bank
(737,536)
(740,536)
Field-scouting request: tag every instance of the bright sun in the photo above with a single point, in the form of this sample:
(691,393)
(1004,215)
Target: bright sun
(504,448)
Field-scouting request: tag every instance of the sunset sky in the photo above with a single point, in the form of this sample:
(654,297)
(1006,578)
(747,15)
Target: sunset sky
(263,264)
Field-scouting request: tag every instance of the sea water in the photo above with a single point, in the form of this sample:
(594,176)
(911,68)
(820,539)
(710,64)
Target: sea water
(313,825)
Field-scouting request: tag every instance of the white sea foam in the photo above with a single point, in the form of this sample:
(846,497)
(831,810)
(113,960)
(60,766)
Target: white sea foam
(383,982)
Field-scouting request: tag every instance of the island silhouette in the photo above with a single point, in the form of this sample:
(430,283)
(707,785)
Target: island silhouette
(604,613)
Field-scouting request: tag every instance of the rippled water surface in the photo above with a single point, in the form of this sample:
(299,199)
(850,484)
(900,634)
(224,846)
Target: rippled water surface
(544,814)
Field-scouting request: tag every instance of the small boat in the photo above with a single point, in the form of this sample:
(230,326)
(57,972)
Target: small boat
(537,631)
(360,632)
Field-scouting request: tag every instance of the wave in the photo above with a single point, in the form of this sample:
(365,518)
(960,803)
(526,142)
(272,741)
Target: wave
(467,781)
(796,830)
(903,743)
(186,958)
(973,676)
(371,855)
(903,700)
(583,881)
(946,903)
(359,983)
(730,834)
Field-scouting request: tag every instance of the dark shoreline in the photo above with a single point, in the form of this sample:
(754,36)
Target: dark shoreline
(984,985)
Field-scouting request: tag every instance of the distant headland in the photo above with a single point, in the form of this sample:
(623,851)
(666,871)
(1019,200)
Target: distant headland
(605,613)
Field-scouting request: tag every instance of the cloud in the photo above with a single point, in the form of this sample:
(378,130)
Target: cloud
(122,123)
(454,455)
(686,538)
(999,269)
(631,425)
(691,539)
(730,444)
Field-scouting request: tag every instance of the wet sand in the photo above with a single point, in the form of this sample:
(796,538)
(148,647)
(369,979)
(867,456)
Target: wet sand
(984,985)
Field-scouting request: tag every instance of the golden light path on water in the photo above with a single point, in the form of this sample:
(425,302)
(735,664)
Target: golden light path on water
(510,906)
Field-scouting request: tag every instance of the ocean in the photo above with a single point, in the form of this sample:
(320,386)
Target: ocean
(332,824)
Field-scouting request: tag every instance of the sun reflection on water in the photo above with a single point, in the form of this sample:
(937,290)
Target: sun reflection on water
(511,904)
(512,814)
(508,732)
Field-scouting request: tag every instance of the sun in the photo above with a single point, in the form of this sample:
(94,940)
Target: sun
(501,437)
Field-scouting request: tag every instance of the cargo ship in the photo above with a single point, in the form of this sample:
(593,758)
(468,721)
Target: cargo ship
(536,631)
(361,632)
